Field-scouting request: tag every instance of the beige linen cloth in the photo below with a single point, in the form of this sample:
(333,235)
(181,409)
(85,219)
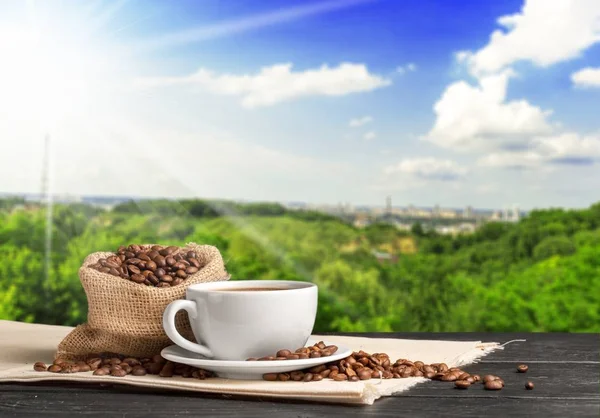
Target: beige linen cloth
(21,345)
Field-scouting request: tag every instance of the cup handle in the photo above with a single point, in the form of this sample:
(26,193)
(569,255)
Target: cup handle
(171,330)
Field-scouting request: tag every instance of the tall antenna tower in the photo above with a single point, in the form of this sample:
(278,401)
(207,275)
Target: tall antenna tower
(45,167)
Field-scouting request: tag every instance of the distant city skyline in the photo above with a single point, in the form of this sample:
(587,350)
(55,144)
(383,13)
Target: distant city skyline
(455,103)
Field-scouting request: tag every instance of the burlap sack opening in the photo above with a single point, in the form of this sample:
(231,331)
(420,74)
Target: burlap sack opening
(125,317)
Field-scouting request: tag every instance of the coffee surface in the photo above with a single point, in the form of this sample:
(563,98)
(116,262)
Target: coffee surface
(249,289)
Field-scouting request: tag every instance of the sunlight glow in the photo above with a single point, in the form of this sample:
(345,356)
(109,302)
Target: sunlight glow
(40,79)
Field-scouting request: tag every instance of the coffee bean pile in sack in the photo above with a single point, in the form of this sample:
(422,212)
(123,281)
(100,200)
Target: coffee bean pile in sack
(125,316)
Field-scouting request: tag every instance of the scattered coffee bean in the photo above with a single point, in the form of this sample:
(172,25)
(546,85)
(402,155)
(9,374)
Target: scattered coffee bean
(308,377)
(118,372)
(55,368)
(138,371)
(522,368)
(462,384)
(493,385)
(39,367)
(271,377)
(529,385)
(340,377)
(167,370)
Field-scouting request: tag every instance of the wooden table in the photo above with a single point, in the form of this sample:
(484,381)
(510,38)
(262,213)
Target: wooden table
(564,367)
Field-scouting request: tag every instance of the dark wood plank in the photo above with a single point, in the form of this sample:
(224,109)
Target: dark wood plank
(551,380)
(139,404)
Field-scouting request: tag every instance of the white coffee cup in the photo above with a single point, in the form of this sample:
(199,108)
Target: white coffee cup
(234,320)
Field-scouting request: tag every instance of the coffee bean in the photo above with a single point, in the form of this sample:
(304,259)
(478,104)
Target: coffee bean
(284,377)
(429,375)
(317,378)
(138,278)
(170,261)
(194,262)
(181,273)
(160,261)
(101,372)
(177,281)
(138,371)
(522,368)
(297,376)
(476,377)
(55,368)
(151,265)
(493,385)
(117,372)
(154,368)
(133,269)
(167,370)
(303,356)
(163,284)
(39,367)
(462,384)
(283,353)
(489,378)
(166,278)
(94,363)
(191,270)
(126,367)
(449,377)
(308,377)
(84,368)
(70,368)
(364,374)
(293,357)
(339,377)
(529,385)
(153,279)
(271,377)
(143,256)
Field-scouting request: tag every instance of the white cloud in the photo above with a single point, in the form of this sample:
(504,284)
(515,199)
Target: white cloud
(512,159)
(278,83)
(564,148)
(369,136)
(586,77)
(545,32)
(428,169)
(355,123)
(479,117)
(410,67)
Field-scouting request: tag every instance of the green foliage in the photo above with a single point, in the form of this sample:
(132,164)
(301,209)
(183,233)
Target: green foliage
(540,274)
(553,245)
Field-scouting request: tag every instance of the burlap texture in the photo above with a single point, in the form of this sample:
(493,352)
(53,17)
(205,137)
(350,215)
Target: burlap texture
(126,317)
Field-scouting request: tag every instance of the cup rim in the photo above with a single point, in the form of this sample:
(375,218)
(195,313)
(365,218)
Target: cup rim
(216,287)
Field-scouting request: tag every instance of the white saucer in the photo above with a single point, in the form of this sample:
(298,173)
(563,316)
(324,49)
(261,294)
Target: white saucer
(249,369)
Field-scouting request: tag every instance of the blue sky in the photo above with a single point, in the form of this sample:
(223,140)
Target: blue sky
(450,114)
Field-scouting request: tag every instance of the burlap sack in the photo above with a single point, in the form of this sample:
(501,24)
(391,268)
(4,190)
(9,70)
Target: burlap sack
(125,317)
